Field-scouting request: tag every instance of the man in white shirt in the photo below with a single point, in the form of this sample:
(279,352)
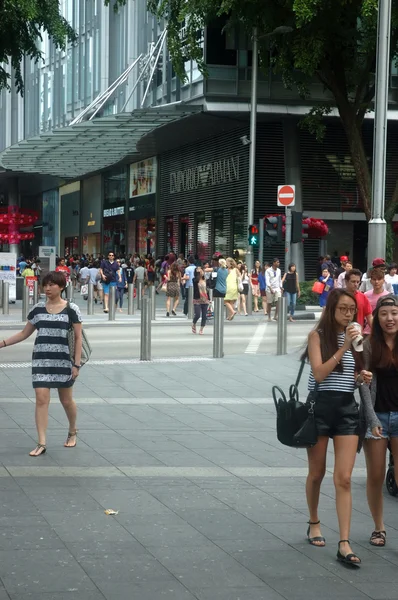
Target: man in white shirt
(273,282)
(341,280)
(366,286)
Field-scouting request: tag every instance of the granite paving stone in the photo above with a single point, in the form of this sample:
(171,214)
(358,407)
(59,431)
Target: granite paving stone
(210,505)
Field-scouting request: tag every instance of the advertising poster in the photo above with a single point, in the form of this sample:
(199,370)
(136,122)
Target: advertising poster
(47,256)
(143,177)
(8,272)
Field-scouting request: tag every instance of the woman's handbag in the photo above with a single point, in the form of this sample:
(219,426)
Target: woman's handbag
(295,421)
(318,287)
(240,285)
(86,348)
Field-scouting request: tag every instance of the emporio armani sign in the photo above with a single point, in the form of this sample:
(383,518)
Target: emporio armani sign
(218,172)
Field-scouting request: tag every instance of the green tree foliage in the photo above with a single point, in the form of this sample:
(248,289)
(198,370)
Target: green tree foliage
(332,42)
(21,24)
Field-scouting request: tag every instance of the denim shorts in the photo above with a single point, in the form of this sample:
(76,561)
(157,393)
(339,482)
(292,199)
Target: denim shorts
(106,286)
(389,423)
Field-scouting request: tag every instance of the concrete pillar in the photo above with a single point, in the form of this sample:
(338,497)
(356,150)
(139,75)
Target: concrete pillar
(291,144)
(13,200)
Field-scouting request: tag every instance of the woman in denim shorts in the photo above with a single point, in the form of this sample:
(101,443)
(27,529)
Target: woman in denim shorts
(381,357)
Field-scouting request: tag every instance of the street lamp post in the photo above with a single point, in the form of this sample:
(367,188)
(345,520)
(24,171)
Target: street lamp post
(377,223)
(252,155)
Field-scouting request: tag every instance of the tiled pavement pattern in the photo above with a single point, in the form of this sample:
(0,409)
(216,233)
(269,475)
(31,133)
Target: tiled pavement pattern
(211,507)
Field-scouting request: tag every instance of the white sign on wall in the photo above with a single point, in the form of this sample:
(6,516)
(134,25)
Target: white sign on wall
(48,252)
(8,272)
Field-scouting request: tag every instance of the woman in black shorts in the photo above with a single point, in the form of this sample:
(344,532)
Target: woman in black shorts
(333,368)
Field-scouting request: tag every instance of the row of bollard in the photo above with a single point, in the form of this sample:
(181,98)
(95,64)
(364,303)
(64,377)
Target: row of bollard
(147,305)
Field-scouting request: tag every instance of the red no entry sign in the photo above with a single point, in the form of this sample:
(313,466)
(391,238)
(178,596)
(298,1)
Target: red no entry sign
(286,195)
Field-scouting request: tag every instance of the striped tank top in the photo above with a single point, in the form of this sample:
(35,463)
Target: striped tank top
(336,380)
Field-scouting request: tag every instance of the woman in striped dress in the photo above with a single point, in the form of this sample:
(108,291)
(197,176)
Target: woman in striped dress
(52,365)
(333,368)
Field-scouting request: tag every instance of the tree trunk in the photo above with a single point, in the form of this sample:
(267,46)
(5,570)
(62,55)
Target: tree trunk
(359,161)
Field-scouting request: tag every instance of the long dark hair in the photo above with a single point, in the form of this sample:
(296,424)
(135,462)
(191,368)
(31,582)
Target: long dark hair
(382,356)
(327,327)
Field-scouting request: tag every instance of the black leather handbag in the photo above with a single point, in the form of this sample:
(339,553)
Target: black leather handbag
(295,420)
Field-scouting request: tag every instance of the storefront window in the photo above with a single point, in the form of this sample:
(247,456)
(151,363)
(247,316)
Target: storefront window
(114,213)
(184,235)
(239,233)
(169,234)
(220,243)
(202,237)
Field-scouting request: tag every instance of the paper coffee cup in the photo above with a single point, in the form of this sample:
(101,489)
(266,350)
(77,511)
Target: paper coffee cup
(357,343)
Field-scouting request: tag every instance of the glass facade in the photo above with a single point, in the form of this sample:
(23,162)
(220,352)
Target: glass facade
(64,83)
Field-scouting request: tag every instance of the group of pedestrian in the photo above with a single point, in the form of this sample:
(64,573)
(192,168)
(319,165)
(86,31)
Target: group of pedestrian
(340,361)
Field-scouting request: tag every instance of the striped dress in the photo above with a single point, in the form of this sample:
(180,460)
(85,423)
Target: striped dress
(338,381)
(51,360)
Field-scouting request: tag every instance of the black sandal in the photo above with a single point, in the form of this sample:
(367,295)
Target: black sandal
(349,558)
(378,535)
(41,447)
(71,434)
(318,538)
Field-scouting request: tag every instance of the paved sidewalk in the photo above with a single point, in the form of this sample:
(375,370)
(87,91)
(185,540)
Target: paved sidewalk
(210,506)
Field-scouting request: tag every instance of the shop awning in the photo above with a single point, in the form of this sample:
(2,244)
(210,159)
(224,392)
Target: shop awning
(74,151)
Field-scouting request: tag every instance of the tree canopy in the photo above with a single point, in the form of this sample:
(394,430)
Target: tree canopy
(21,24)
(332,41)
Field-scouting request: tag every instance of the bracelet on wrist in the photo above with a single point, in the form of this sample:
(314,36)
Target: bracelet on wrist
(337,361)
(77,366)
(5,345)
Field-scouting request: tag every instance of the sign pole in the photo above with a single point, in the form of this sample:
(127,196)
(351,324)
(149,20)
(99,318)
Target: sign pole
(288,236)
(286,198)
(261,241)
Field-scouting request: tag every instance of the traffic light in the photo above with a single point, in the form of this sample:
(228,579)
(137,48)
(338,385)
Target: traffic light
(273,230)
(297,227)
(253,236)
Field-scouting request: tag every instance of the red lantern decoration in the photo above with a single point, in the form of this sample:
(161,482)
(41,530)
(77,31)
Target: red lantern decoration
(11,217)
(316,227)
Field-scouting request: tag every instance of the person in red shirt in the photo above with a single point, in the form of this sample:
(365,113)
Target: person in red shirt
(64,269)
(364,309)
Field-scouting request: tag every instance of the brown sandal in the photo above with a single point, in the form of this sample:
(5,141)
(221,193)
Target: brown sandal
(41,447)
(70,435)
(378,535)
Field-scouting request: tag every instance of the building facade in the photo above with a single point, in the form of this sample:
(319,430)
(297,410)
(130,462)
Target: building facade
(119,154)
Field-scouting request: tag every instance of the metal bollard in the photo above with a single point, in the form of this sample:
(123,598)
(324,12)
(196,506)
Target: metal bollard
(6,298)
(218,332)
(190,302)
(281,344)
(152,298)
(145,349)
(69,292)
(139,295)
(90,299)
(112,303)
(130,298)
(25,303)
(1,293)
(249,301)
(35,292)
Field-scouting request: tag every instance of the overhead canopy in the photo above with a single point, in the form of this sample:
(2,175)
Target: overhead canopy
(74,151)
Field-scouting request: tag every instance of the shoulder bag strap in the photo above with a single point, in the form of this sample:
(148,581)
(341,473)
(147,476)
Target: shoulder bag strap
(299,374)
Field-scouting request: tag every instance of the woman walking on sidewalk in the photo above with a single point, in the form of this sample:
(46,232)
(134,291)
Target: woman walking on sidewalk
(200,300)
(255,285)
(232,293)
(380,354)
(52,364)
(244,275)
(291,287)
(336,414)
(173,288)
